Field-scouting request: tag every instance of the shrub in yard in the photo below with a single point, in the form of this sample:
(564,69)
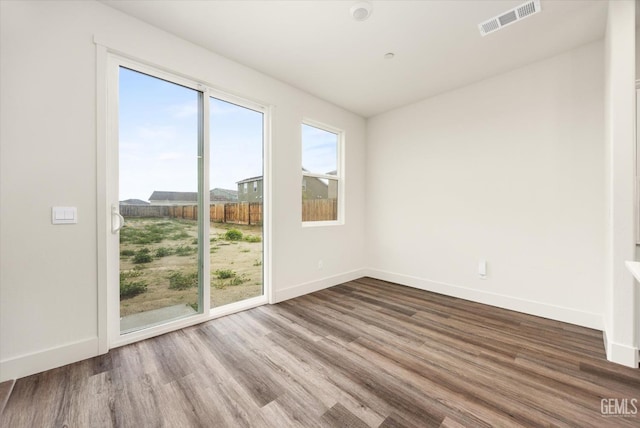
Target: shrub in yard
(180,235)
(182,281)
(127,253)
(142,256)
(126,274)
(127,233)
(220,285)
(224,273)
(252,238)
(233,235)
(130,289)
(257,263)
(163,252)
(148,235)
(184,250)
(149,238)
(238,280)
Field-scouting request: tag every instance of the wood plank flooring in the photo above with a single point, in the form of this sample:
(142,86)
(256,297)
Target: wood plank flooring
(5,391)
(366,353)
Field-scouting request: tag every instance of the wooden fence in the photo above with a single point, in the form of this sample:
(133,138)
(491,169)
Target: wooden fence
(319,209)
(237,212)
(232,212)
(144,210)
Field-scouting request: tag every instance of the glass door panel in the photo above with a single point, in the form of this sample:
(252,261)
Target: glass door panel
(236,210)
(158,193)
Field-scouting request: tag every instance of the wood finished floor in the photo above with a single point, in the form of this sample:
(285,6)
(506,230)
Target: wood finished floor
(364,353)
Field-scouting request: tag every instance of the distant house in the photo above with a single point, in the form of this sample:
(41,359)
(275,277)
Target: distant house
(332,186)
(134,202)
(191,198)
(250,189)
(314,188)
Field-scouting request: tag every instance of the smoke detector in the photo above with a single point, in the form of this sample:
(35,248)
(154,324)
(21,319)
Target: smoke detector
(509,17)
(361,11)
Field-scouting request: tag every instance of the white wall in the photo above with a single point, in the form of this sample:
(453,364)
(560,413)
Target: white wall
(637,48)
(509,170)
(637,173)
(48,274)
(620,318)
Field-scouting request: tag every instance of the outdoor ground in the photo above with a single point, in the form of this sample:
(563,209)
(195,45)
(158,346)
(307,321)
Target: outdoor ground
(158,264)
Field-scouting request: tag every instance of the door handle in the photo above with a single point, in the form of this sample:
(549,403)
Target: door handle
(115,213)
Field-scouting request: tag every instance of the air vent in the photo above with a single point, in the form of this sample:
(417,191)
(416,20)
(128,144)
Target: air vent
(509,17)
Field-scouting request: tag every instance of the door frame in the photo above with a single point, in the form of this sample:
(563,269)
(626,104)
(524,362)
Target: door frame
(108,300)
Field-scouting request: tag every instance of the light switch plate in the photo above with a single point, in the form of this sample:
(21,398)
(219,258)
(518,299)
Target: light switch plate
(64,215)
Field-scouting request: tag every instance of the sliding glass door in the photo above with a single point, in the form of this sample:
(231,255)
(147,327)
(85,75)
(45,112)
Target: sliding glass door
(187,200)
(159,149)
(237,197)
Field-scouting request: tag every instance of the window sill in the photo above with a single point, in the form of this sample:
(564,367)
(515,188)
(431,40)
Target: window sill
(322,223)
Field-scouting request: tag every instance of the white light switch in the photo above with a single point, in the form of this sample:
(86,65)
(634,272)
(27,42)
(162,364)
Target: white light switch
(482,269)
(64,215)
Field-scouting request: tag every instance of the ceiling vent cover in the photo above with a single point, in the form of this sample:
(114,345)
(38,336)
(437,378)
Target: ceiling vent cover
(516,14)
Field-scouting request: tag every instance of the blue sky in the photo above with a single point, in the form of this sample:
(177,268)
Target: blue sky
(319,150)
(158,136)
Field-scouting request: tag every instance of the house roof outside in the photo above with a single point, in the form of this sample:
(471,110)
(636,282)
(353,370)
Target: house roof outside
(247,180)
(159,195)
(134,202)
(217,194)
(334,172)
(259,177)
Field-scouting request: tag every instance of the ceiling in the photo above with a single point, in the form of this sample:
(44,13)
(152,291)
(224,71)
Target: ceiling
(318,47)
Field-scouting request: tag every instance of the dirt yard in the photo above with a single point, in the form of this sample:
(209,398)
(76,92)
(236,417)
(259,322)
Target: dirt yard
(159,260)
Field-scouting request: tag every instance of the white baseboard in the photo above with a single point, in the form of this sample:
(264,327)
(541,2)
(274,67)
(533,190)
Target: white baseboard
(28,364)
(558,313)
(622,354)
(320,284)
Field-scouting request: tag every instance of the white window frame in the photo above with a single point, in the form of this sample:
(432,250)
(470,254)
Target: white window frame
(108,62)
(339,177)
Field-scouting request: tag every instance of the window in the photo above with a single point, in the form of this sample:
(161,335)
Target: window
(255,186)
(246,186)
(322,194)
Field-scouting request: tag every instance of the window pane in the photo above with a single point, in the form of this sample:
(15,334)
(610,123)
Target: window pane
(319,151)
(158,185)
(319,199)
(236,209)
